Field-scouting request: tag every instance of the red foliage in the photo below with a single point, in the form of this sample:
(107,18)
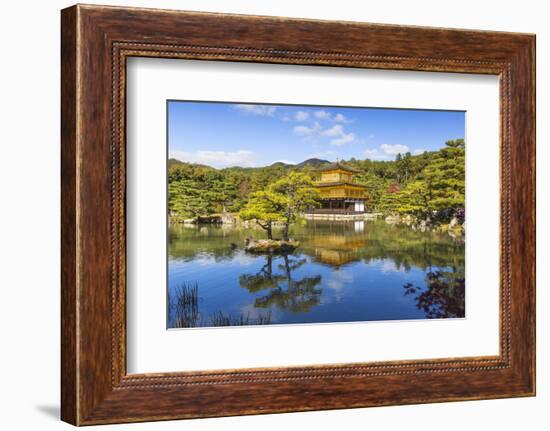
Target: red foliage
(394,188)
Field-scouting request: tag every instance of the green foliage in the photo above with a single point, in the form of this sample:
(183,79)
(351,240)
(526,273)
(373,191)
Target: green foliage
(437,187)
(281,201)
(423,185)
(185,199)
(263,207)
(293,195)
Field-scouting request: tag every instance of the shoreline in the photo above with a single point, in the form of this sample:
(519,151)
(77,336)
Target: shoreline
(453,228)
(342,217)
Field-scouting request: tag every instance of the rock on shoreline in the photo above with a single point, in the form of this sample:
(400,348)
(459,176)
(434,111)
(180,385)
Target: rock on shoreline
(270,245)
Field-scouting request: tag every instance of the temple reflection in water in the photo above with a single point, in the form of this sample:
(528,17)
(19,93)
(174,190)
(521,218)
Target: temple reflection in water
(339,243)
(343,271)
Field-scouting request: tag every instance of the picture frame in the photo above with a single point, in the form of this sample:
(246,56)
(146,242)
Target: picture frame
(96,42)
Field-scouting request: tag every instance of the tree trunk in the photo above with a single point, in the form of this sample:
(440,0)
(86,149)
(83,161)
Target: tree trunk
(285,232)
(268,228)
(287,226)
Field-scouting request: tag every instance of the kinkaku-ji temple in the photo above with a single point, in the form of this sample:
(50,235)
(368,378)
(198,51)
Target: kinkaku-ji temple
(339,194)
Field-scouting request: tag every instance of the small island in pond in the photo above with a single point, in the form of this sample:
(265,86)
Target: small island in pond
(377,235)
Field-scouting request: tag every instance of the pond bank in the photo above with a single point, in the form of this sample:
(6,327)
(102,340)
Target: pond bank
(341,217)
(454,228)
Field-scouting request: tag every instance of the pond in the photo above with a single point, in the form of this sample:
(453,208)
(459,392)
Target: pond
(342,272)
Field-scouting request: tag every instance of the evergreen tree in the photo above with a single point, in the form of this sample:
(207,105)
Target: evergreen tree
(427,185)
(282,201)
(439,187)
(294,194)
(186,200)
(263,207)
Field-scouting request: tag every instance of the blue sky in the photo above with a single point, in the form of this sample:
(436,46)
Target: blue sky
(231,134)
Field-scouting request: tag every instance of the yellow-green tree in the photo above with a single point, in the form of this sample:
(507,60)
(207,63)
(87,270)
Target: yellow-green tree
(293,195)
(264,209)
(281,201)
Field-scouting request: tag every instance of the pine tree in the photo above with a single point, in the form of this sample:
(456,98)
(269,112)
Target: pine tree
(294,194)
(281,201)
(264,209)
(439,188)
(185,199)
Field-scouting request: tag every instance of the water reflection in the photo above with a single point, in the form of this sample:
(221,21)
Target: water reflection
(356,271)
(284,291)
(443,296)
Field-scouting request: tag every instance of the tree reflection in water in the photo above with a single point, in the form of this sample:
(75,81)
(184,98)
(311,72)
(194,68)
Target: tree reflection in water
(443,296)
(377,257)
(284,291)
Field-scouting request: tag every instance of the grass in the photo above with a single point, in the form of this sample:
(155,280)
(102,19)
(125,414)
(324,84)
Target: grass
(184,306)
(221,319)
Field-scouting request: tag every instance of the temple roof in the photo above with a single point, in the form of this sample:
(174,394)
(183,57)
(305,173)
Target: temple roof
(335,166)
(339,183)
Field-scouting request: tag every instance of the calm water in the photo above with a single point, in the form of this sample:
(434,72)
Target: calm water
(342,272)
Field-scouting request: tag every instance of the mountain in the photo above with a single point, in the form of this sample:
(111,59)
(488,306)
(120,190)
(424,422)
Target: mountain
(280,165)
(174,162)
(313,162)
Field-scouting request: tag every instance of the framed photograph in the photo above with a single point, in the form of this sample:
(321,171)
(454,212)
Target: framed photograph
(264,215)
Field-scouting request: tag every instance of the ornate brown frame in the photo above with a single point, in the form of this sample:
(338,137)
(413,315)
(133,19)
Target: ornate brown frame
(96,42)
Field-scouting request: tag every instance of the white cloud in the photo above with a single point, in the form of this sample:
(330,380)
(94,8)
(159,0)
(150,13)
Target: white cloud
(385,151)
(325,115)
(336,130)
(340,118)
(301,116)
(345,139)
(322,115)
(263,110)
(217,159)
(393,150)
(418,151)
(307,130)
(340,136)
(375,154)
(303,130)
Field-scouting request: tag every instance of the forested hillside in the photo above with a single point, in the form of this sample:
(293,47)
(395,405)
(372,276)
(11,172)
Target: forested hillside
(429,185)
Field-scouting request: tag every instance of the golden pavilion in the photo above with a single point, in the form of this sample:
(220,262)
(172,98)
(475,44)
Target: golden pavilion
(339,193)
(337,244)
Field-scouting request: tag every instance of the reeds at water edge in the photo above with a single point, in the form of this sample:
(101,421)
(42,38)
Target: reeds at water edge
(221,319)
(183,303)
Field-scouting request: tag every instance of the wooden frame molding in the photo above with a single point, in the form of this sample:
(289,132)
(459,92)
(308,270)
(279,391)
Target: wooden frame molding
(95,43)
